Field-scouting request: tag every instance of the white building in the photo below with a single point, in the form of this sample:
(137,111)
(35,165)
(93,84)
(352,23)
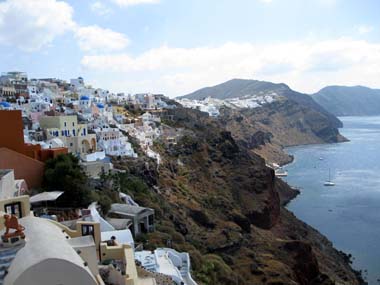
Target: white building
(169,262)
(77,83)
(32,90)
(113,142)
(84,103)
(9,186)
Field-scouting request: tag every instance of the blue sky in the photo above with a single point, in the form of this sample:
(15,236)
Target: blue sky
(177,46)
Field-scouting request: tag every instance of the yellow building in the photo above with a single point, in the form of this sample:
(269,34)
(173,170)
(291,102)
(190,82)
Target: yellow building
(74,136)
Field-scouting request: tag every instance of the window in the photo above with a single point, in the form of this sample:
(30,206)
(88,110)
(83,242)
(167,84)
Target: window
(13,209)
(65,124)
(73,124)
(88,230)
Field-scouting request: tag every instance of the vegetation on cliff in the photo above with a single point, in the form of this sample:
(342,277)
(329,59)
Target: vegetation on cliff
(217,200)
(64,173)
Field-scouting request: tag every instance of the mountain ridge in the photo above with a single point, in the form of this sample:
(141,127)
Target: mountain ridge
(236,88)
(349,100)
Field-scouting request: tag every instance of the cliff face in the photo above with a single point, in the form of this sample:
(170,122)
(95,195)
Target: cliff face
(283,123)
(216,199)
(291,119)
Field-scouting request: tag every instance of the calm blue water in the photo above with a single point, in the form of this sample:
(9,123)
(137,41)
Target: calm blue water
(349,213)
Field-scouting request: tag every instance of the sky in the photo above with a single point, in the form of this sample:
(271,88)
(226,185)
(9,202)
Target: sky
(178,46)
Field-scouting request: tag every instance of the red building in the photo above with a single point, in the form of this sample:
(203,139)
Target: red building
(26,159)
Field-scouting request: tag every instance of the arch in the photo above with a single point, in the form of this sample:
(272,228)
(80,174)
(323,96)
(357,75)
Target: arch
(86,147)
(93,144)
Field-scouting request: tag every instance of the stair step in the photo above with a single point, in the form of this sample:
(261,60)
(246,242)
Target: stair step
(8,253)
(5,265)
(7,256)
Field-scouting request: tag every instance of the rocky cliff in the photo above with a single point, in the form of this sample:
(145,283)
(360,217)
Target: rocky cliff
(292,118)
(216,199)
(283,123)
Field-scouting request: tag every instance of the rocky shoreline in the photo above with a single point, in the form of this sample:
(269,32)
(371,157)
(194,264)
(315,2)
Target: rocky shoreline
(288,197)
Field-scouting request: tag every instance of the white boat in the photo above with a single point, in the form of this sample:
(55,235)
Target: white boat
(281,173)
(329,182)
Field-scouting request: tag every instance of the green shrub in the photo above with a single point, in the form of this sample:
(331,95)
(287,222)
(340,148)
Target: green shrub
(64,173)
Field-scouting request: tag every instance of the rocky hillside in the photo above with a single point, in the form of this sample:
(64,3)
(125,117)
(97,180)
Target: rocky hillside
(349,101)
(283,123)
(238,88)
(216,199)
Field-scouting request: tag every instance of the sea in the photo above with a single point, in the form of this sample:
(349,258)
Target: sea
(348,214)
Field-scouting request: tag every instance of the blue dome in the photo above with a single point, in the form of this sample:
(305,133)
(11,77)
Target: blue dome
(5,104)
(100,105)
(84,98)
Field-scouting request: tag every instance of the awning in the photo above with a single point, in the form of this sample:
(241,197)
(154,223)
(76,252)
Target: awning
(45,196)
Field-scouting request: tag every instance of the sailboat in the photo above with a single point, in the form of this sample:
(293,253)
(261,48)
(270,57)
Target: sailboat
(329,182)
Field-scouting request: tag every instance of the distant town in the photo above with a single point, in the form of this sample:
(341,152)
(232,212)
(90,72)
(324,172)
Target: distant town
(56,136)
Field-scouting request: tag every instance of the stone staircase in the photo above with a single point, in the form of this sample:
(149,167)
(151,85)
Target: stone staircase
(184,270)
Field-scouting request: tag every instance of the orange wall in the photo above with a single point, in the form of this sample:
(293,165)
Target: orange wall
(11,128)
(46,154)
(26,159)
(24,167)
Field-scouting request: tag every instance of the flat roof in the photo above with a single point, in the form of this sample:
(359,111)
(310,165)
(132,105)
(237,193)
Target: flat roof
(83,241)
(45,196)
(122,237)
(129,209)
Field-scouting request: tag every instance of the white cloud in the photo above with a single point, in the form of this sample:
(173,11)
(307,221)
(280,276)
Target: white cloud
(95,39)
(134,2)
(30,25)
(304,65)
(364,29)
(100,8)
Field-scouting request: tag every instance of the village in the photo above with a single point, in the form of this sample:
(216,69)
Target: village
(44,120)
